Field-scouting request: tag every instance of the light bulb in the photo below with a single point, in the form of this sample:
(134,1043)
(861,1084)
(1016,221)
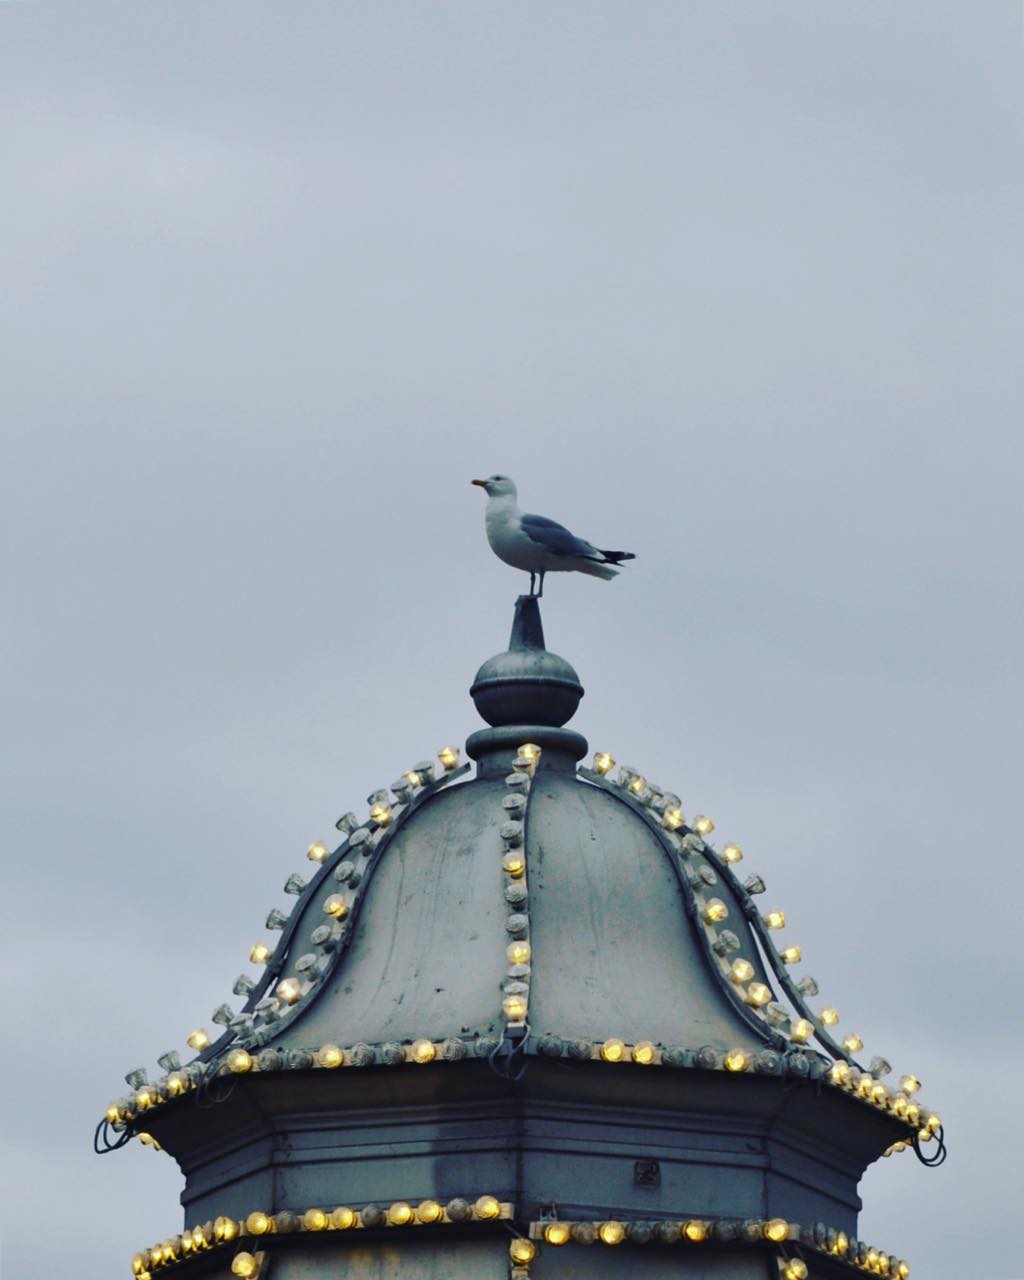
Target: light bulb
(694,1230)
(522,1250)
(795,1269)
(879,1094)
(518,952)
(330,1056)
(449,757)
(715,911)
(225,1228)
(244,1264)
(381,814)
(933,1123)
(531,751)
(515,1007)
(514,864)
(703,825)
(776,1230)
(239,1060)
(839,1072)
(336,906)
(775,919)
(791,954)
(643,1052)
(613,1050)
(343,1217)
(910,1085)
(422,1051)
(198,1039)
(741,970)
(557,1233)
(258,1223)
(732,853)
(603,762)
(611,1232)
(259,953)
(316,852)
(428,1211)
(399,1213)
(637,785)
(487,1207)
(673,818)
(315,1220)
(758,994)
(288,990)
(736,1060)
(852,1043)
(829,1017)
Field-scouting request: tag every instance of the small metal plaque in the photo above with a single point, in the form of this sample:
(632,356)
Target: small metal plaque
(646,1173)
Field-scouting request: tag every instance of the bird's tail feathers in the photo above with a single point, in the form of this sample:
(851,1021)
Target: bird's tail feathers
(617,557)
(596,569)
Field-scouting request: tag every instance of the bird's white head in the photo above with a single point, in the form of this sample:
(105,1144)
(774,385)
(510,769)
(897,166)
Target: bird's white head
(497,486)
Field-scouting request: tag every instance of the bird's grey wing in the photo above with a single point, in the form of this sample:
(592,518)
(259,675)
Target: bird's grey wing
(556,538)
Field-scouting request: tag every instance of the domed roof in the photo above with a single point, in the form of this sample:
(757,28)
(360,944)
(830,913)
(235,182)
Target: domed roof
(533,909)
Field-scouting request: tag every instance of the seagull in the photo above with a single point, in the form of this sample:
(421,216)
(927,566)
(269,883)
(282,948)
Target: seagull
(535,543)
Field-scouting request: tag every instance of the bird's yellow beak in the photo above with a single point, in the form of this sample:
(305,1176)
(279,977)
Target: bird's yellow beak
(481,483)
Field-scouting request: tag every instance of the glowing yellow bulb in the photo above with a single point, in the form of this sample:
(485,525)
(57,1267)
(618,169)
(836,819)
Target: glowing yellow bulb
(879,1094)
(113,1113)
(315,1220)
(842,1243)
(258,1223)
(239,1060)
(758,994)
(741,970)
(557,1233)
(428,1211)
(400,1213)
(603,762)
(791,955)
(913,1113)
(336,906)
(412,777)
(449,757)
(829,1017)
(381,814)
(613,1050)
(316,852)
(521,1250)
(518,952)
(703,825)
(514,1007)
(732,853)
(637,785)
(715,911)
(224,1228)
(531,751)
(795,1269)
(839,1072)
(910,1085)
(694,1230)
(933,1123)
(259,953)
(801,1030)
(177,1084)
(330,1056)
(902,1270)
(514,865)
(611,1232)
(138,1264)
(343,1217)
(736,1060)
(143,1099)
(288,990)
(244,1264)
(776,1230)
(852,1043)
(673,818)
(198,1040)
(775,919)
(422,1051)
(643,1052)
(488,1207)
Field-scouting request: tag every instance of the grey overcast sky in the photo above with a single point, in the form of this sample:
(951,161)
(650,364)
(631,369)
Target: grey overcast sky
(735,285)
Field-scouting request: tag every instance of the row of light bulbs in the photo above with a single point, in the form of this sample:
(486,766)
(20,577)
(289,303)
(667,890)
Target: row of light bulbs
(399,1213)
(515,1003)
(715,912)
(288,990)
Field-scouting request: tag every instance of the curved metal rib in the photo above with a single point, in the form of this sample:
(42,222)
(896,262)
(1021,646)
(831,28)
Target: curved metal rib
(762,1030)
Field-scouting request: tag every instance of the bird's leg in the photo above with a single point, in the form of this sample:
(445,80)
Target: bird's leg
(541,591)
(533,580)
